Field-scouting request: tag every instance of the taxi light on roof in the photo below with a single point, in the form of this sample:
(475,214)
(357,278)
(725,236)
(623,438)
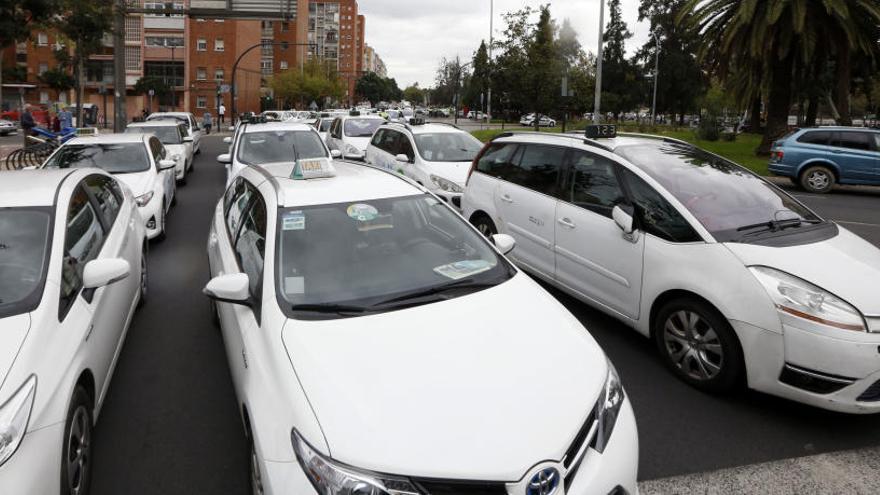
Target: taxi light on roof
(313,168)
(417,121)
(604,131)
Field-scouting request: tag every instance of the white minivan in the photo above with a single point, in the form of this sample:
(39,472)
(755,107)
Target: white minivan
(720,267)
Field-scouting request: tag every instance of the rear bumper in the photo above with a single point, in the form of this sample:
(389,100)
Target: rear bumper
(782,169)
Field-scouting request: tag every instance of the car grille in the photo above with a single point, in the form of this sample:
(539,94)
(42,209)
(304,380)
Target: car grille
(871,394)
(445,487)
(571,462)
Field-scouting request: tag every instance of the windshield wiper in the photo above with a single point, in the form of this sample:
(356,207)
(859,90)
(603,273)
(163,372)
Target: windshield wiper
(329,308)
(774,225)
(466,283)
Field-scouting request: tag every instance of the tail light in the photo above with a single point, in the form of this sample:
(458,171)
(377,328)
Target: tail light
(477,160)
(777,155)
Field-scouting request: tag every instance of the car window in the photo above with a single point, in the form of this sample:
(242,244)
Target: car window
(157,150)
(241,196)
(496,159)
(24,249)
(250,247)
(258,148)
(405,146)
(816,137)
(108,200)
(391,142)
(448,146)
(356,128)
(876,141)
(593,184)
(538,168)
(166,134)
(854,140)
(83,240)
(117,158)
(656,215)
(377,139)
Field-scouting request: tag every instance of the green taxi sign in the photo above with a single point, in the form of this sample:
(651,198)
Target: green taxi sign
(602,131)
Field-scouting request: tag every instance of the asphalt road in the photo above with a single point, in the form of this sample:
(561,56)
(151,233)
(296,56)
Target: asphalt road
(170,424)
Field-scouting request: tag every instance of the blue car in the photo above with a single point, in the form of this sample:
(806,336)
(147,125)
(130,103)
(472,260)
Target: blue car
(817,158)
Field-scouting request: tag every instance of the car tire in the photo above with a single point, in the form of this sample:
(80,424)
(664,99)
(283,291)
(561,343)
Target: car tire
(254,474)
(817,179)
(144,287)
(76,454)
(182,181)
(485,225)
(162,221)
(698,344)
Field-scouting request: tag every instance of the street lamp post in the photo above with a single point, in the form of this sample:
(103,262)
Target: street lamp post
(173,81)
(656,77)
(598,102)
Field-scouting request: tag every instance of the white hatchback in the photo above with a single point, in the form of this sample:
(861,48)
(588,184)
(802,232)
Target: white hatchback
(176,139)
(351,134)
(717,265)
(187,119)
(72,271)
(139,161)
(437,156)
(379,345)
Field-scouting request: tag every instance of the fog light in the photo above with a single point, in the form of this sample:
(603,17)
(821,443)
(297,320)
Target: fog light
(151,223)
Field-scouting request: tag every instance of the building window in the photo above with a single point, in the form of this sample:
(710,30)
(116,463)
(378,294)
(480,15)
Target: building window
(201,101)
(170,72)
(266,67)
(201,74)
(218,44)
(283,65)
(218,75)
(42,39)
(161,7)
(202,45)
(44,97)
(164,41)
(285,26)
(44,67)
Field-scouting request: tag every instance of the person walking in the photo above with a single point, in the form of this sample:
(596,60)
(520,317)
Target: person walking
(207,122)
(27,124)
(221,111)
(65,118)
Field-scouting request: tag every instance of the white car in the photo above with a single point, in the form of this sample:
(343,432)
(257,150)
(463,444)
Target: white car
(7,127)
(138,160)
(437,156)
(323,127)
(177,141)
(273,142)
(369,329)
(735,280)
(72,271)
(188,119)
(351,134)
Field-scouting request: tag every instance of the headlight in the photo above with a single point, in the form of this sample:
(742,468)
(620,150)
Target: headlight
(14,416)
(802,299)
(446,185)
(331,478)
(143,199)
(608,407)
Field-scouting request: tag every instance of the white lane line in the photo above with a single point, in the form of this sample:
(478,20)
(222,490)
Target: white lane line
(810,196)
(861,224)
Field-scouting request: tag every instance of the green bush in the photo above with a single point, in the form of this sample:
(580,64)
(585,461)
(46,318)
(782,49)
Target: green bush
(708,130)
(728,136)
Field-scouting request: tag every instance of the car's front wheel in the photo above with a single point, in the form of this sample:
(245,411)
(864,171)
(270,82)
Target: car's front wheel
(143,287)
(255,473)
(76,461)
(818,179)
(698,344)
(485,225)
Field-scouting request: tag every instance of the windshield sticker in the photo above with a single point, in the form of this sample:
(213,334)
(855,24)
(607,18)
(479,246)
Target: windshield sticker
(462,269)
(362,212)
(295,220)
(294,285)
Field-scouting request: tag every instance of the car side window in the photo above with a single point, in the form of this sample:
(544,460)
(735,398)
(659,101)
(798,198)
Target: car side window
(816,137)
(593,183)
(405,146)
(235,212)
(538,168)
(250,247)
(854,140)
(496,159)
(106,196)
(83,240)
(655,215)
(876,142)
(157,150)
(377,139)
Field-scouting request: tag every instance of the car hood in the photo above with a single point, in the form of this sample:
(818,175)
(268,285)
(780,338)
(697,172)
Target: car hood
(13,331)
(845,265)
(139,183)
(455,171)
(359,143)
(480,387)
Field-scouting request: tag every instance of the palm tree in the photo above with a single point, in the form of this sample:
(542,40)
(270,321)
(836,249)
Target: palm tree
(771,37)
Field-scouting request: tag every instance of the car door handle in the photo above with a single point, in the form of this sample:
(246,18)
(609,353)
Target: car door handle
(565,222)
(506,198)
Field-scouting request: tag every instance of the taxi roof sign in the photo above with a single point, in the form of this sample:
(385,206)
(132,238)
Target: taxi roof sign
(313,168)
(602,131)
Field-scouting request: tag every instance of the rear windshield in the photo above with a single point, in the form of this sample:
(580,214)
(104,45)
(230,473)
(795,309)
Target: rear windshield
(279,146)
(362,127)
(448,147)
(166,134)
(116,158)
(24,244)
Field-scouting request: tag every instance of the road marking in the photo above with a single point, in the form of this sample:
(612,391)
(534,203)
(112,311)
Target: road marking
(861,224)
(810,196)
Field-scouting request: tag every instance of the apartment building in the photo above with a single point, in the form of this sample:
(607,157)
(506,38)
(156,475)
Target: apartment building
(337,32)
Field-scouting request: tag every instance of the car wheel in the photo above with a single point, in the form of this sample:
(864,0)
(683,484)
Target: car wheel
(817,179)
(76,459)
(485,225)
(144,279)
(698,344)
(182,180)
(255,474)
(161,236)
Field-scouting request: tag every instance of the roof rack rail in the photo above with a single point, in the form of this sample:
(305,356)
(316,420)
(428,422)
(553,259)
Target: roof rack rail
(654,136)
(446,124)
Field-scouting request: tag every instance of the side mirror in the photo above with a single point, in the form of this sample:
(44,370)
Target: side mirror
(232,288)
(103,272)
(166,164)
(402,158)
(504,243)
(623,218)
(188,139)
(335,153)
(227,140)
(224,159)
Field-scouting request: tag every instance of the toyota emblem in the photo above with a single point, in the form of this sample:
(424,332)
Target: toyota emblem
(544,482)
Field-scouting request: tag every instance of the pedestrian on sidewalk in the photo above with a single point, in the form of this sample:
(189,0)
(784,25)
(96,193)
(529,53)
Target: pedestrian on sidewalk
(207,122)
(221,111)
(27,124)
(66,118)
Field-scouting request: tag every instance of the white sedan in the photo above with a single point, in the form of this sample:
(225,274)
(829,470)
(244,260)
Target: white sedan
(369,329)
(140,161)
(72,271)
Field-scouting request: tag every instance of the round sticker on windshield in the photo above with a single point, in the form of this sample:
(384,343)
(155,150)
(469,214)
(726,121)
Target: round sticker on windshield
(362,212)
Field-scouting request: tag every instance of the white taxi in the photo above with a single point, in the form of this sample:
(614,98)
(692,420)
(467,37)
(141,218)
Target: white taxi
(178,143)
(379,344)
(350,134)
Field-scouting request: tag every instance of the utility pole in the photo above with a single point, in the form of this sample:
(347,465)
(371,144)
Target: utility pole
(119,115)
(598,104)
(656,77)
(491,38)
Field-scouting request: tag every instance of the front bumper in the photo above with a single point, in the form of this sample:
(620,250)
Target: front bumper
(180,169)
(599,474)
(34,467)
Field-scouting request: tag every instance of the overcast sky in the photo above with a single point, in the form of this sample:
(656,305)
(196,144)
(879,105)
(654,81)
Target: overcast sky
(412,36)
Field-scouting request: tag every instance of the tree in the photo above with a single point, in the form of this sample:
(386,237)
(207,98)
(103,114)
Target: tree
(317,81)
(160,88)
(543,75)
(579,67)
(511,65)
(58,79)
(17,17)
(477,84)
(414,94)
(375,88)
(619,89)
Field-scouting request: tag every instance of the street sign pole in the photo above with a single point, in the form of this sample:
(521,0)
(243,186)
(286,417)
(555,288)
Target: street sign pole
(119,104)
(598,102)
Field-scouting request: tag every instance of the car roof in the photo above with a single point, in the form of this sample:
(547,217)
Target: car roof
(30,187)
(368,116)
(156,123)
(578,138)
(839,128)
(157,115)
(109,139)
(277,126)
(428,128)
(352,182)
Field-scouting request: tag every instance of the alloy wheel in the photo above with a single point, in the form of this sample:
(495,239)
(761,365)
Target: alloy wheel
(693,345)
(818,179)
(78,455)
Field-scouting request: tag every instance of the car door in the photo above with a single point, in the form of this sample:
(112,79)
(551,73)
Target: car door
(526,201)
(169,182)
(196,133)
(856,155)
(593,256)
(374,155)
(334,135)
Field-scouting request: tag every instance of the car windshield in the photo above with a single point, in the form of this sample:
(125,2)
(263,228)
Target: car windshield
(24,239)
(115,158)
(279,146)
(166,134)
(173,118)
(363,254)
(727,199)
(325,125)
(361,127)
(448,147)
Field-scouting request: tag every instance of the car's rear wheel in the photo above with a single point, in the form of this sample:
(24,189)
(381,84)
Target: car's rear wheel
(698,344)
(161,223)
(76,460)
(818,179)
(485,225)
(144,286)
